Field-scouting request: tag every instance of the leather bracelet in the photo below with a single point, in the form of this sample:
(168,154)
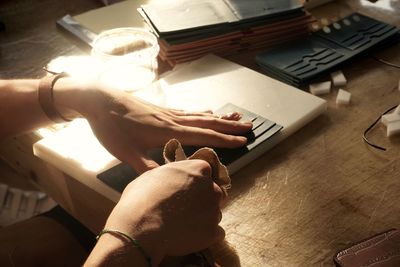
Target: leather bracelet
(134,242)
(46,97)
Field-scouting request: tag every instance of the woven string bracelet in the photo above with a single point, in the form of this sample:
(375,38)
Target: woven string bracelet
(135,243)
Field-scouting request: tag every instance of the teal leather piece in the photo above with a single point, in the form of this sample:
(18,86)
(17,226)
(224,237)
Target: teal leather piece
(301,62)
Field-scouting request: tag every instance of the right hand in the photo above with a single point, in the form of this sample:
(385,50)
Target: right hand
(171,210)
(129,127)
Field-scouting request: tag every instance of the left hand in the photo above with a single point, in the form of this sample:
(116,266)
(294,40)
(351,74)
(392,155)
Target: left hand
(129,127)
(172,210)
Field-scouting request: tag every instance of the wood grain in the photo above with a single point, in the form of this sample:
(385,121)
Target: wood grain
(313,195)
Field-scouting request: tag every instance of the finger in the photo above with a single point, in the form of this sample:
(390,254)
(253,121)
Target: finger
(216,124)
(219,219)
(227,116)
(141,162)
(193,113)
(220,195)
(176,111)
(223,202)
(205,137)
(203,166)
(235,116)
(216,216)
(219,234)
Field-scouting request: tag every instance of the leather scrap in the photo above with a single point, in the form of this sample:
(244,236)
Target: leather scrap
(381,250)
(173,151)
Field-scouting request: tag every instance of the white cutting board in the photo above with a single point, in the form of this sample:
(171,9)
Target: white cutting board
(207,83)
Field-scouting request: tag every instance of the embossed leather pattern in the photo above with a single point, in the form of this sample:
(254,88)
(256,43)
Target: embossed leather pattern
(325,50)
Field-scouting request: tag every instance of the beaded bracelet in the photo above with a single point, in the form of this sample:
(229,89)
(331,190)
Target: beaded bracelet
(135,243)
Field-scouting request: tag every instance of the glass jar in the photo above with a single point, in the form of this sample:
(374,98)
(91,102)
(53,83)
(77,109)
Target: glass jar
(128,57)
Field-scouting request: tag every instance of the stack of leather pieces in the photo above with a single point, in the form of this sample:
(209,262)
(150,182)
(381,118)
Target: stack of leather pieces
(188,30)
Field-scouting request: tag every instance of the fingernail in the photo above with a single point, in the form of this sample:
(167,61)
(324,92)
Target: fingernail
(242,139)
(232,116)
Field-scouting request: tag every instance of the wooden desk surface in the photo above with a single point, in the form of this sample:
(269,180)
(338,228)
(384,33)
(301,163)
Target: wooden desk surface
(297,205)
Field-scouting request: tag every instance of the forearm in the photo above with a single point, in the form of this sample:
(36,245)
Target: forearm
(19,108)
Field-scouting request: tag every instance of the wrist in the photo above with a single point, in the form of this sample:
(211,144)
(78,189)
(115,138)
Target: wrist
(145,242)
(115,251)
(72,97)
(135,225)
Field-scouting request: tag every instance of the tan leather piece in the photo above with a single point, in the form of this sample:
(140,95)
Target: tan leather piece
(173,151)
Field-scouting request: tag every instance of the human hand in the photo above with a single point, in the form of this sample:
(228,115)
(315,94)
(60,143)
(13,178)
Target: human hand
(171,210)
(129,127)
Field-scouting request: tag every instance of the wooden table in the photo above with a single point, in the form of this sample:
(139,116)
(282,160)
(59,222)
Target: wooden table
(297,205)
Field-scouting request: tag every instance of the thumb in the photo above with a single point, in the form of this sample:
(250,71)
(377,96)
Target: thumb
(141,162)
